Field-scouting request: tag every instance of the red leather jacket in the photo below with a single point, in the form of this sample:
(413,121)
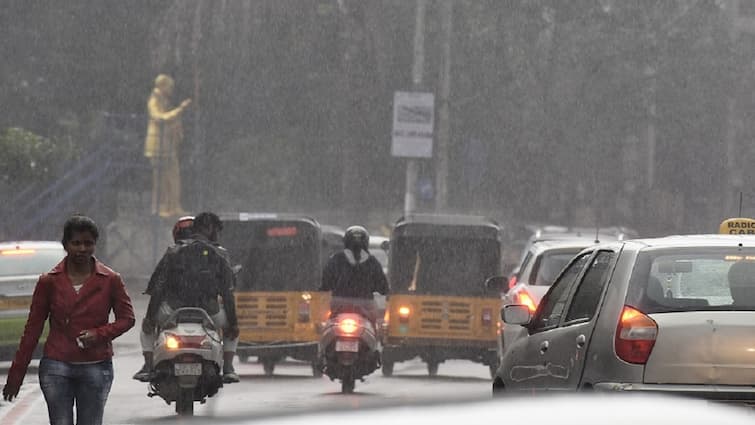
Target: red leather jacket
(70,313)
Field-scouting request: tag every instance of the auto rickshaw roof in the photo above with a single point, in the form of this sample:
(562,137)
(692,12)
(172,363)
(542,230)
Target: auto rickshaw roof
(445,225)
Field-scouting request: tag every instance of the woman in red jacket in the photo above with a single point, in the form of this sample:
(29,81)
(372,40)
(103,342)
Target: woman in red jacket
(77,296)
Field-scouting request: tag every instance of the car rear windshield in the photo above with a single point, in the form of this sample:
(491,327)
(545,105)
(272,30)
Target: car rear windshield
(29,262)
(549,265)
(693,279)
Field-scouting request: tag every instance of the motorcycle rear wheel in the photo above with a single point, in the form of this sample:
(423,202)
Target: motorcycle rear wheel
(185,402)
(347,384)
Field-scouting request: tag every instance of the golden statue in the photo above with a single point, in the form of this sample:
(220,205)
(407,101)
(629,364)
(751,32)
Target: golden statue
(164,135)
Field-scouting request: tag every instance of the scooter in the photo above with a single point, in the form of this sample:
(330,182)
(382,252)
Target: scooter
(349,348)
(188,358)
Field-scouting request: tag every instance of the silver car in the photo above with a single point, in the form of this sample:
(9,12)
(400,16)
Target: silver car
(667,315)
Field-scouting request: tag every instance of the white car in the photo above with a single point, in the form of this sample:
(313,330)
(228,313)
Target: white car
(543,262)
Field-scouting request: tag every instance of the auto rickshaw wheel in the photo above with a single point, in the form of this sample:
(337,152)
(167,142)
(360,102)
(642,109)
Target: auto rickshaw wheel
(432,368)
(388,369)
(268,365)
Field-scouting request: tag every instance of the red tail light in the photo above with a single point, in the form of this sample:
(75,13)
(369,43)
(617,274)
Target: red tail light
(525,298)
(635,336)
(487,317)
(348,326)
(174,342)
(512,281)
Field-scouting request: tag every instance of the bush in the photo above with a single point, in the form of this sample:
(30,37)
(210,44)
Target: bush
(26,158)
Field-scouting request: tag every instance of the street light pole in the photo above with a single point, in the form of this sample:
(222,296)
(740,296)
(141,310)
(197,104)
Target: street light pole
(418,67)
(441,173)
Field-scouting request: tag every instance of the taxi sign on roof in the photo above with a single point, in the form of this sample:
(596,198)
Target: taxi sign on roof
(737,226)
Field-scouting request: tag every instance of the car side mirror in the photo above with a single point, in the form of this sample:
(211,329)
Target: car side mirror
(496,283)
(516,314)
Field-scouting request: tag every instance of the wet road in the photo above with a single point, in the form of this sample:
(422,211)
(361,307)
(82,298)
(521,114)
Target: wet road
(292,390)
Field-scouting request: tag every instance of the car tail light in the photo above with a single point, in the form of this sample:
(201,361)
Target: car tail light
(512,281)
(18,251)
(304,311)
(348,326)
(635,336)
(523,297)
(403,313)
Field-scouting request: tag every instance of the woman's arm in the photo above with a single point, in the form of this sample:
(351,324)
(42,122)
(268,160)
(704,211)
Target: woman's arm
(124,312)
(38,313)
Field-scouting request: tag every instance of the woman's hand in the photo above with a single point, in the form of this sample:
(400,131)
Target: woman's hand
(10,391)
(87,337)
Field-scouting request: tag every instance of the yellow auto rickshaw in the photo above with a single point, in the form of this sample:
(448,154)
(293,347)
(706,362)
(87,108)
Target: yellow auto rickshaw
(279,308)
(439,307)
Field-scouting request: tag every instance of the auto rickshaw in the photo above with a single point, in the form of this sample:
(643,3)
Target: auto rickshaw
(278,306)
(439,307)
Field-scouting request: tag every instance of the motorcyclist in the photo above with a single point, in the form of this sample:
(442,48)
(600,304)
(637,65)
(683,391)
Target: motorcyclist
(353,275)
(168,292)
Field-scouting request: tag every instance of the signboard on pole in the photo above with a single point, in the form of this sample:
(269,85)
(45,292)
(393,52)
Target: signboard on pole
(413,122)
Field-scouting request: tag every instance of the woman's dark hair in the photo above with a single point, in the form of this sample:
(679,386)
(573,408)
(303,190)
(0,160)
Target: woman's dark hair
(79,223)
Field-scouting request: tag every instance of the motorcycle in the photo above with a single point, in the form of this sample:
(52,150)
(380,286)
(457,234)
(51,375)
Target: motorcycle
(349,348)
(188,358)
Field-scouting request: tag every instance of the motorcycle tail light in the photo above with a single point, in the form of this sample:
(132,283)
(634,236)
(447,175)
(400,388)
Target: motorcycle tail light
(172,342)
(348,325)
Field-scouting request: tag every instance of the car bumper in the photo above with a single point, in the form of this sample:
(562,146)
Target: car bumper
(733,393)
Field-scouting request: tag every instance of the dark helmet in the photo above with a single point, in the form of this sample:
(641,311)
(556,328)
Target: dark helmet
(183,228)
(355,238)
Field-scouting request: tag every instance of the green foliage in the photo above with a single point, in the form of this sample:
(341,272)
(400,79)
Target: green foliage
(26,157)
(12,328)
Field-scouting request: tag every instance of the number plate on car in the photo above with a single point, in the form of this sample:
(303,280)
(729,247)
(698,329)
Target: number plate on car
(344,345)
(190,369)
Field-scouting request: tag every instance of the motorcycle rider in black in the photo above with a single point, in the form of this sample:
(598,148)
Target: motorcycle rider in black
(168,290)
(353,275)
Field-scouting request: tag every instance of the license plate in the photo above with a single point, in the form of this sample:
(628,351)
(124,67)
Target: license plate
(188,369)
(350,346)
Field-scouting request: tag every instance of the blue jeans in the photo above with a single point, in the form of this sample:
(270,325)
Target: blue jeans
(87,384)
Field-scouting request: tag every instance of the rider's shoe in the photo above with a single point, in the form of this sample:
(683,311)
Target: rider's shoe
(230,376)
(144,374)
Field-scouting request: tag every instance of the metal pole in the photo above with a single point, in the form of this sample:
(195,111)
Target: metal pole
(441,174)
(412,166)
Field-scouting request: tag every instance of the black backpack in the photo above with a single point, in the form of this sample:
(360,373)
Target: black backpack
(196,274)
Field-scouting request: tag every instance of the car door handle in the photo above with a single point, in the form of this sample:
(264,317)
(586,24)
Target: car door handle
(543,347)
(581,340)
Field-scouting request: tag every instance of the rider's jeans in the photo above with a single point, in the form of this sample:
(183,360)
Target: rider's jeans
(86,385)
(220,320)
